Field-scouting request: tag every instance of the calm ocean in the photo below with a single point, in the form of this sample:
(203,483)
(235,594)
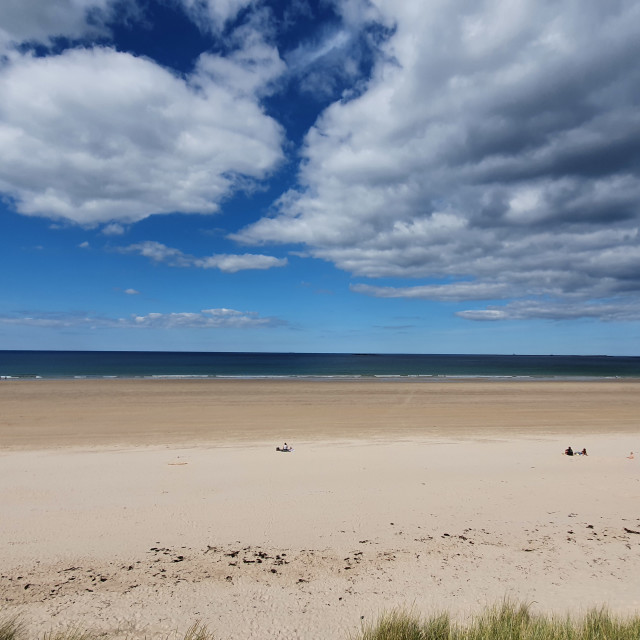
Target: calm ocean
(145,364)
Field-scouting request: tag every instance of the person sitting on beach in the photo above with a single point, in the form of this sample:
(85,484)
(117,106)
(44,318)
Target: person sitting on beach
(630,456)
(583,452)
(568,451)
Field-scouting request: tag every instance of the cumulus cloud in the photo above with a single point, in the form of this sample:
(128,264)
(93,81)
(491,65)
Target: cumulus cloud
(37,21)
(29,21)
(229,263)
(132,292)
(98,136)
(205,319)
(496,144)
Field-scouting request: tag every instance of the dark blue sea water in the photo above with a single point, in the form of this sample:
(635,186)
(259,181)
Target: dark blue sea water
(144,364)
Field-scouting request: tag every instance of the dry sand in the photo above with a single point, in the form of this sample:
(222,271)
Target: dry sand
(139,507)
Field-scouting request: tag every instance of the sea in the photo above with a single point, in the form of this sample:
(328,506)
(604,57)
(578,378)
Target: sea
(175,364)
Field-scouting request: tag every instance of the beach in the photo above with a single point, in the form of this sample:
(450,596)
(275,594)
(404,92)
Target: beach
(137,507)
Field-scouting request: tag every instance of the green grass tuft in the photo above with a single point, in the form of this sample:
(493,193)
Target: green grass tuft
(507,621)
(398,625)
(599,625)
(71,633)
(13,629)
(198,631)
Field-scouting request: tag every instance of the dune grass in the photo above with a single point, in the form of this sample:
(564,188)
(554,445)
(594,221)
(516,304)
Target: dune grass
(10,628)
(13,629)
(507,621)
(72,633)
(198,631)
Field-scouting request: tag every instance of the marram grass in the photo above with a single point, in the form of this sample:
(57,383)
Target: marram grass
(503,622)
(198,631)
(13,629)
(10,628)
(72,633)
(507,621)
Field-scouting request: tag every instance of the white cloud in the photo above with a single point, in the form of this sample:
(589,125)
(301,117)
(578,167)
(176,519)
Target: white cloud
(35,20)
(41,20)
(456,291)
(483,314)
(158,252)
(610,310)
(320,65)
(330,61)
(132,292)
(84,245)
(307,54)
(113,229)
(57,320)
(496,143)
(246,71)
(205,319)
(96,135)
(211,15)
(228,263)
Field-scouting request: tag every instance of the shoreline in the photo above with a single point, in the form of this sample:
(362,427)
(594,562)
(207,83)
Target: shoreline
(333,377)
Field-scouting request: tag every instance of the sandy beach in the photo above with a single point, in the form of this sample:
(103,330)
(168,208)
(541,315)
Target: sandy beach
(137,507)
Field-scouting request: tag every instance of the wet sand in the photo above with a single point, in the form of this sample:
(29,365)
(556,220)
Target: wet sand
(64,413)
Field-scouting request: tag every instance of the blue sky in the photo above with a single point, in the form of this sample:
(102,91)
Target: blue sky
(327,176)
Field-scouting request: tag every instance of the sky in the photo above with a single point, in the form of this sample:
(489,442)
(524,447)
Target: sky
(383,176)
